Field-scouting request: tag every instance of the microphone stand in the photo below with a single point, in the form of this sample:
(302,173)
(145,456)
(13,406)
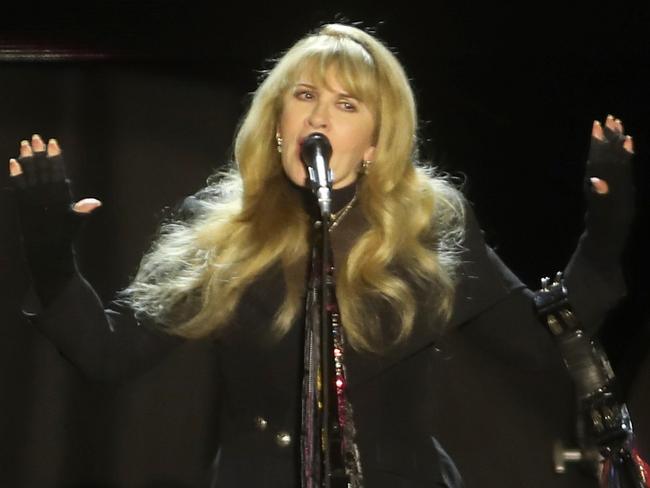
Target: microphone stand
(329,454)
(329,426)
(329,423)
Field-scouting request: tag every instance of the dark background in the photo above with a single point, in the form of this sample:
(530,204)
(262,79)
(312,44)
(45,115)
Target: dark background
(145,97)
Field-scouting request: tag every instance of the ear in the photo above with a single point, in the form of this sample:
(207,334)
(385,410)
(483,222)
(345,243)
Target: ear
(369,154)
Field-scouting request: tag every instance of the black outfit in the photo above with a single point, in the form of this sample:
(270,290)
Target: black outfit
(492,390)
(400,399)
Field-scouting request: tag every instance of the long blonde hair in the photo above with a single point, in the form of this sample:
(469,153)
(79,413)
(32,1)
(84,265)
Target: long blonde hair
(192,279)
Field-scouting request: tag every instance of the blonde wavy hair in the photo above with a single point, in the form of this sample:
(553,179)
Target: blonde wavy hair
(192,279)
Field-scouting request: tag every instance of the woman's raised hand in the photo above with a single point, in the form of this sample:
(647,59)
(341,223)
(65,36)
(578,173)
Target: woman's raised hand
(609,146)
(611,195)
(48,218)
(39,171)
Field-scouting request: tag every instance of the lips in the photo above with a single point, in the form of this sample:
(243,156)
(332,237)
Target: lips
(301,141)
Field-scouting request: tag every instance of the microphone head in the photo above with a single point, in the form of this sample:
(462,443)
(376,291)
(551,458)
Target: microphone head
(315,143)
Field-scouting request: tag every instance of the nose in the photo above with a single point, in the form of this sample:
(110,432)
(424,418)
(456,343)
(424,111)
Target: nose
(318,117)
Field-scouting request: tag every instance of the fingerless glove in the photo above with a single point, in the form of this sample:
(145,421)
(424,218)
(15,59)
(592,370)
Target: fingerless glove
(47,221)
(609,216)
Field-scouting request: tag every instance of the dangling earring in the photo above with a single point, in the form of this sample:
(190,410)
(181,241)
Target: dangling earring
(278,142)
(365,166)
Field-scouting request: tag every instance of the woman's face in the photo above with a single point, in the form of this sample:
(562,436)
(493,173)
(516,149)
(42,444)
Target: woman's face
(347,122)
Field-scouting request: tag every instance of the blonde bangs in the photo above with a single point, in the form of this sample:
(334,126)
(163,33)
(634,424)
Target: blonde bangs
(319,56)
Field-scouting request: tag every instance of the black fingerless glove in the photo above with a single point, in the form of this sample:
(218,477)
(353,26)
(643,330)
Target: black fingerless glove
(48,222)
(609,216)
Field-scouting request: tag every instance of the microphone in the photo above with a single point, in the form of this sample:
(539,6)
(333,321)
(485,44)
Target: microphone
(315,152)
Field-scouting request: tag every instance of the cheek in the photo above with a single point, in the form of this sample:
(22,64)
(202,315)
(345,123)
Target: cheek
(291,117)
(356,148)
(294,169)
(358,138)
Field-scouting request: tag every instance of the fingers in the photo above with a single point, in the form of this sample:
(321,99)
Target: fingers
(600,186)
(615,125)
(628,144)
(53,148)
(38,164)
(28,148)
(15,168)
(37,143)
(612,123)
(25,149)
(86,205)
(597,131)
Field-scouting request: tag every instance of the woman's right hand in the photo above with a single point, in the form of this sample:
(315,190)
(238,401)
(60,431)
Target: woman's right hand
(48,218)
(39,175)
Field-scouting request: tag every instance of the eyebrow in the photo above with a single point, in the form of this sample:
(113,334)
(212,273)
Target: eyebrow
(309,85)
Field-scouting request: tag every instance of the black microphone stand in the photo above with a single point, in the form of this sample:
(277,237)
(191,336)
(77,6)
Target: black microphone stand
(333,468)
(329,455)
(326,467)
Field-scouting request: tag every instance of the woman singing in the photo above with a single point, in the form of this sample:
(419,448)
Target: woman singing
(415,282)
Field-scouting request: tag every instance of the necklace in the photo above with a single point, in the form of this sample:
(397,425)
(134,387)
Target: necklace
(336,218)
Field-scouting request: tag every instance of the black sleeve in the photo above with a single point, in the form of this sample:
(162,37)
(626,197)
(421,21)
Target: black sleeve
(499,382)
(104,343)
(488,288)
(595,286)
(107,344)
(494,312)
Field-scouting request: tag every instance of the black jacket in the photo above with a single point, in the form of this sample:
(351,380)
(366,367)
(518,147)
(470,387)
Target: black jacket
(492,390)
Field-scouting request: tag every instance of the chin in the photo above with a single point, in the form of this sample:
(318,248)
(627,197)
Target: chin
(298,179)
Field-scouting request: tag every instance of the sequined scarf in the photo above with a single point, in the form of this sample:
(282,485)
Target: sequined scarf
(330,457)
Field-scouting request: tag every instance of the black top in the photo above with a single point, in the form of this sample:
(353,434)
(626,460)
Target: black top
(497,369)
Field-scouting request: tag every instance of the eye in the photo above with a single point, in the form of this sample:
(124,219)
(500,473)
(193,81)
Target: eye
(304,94)
(348,106)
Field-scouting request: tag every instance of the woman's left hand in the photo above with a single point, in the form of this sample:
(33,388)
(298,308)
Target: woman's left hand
(609,146)
(610,191)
